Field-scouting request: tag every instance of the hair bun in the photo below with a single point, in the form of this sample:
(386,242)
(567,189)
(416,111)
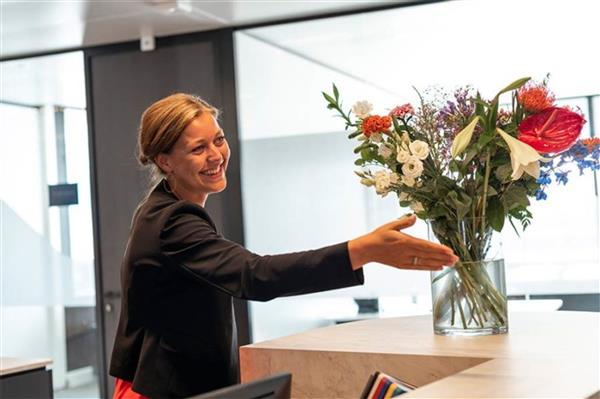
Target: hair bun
(144,160)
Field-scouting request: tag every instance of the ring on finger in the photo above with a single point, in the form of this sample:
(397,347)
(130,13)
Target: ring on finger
(415,261)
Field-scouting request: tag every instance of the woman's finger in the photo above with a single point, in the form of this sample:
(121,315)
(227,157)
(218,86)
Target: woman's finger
(443,257)
(402,223)
(424,245)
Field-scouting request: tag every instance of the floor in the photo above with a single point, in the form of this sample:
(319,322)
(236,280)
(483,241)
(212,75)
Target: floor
(89,391)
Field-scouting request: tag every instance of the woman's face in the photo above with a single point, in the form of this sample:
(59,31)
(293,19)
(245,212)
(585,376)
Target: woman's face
(197,162)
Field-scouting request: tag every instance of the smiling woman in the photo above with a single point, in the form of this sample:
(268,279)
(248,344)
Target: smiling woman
(177,334)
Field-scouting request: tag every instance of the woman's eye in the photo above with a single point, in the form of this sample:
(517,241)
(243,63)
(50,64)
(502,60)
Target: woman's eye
(220,140)
(198,149)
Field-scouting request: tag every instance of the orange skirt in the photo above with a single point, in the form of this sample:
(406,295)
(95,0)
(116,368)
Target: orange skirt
(123,391)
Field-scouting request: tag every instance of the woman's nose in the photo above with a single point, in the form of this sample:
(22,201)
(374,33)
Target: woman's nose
(214,154)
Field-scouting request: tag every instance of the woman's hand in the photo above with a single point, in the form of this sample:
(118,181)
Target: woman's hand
(388,245)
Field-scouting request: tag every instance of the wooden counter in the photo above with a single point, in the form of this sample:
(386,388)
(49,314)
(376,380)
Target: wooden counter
(551,354)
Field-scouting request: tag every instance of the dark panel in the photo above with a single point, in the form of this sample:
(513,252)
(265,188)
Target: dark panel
(578,302)
(80,326)
(34,384)
(122,83)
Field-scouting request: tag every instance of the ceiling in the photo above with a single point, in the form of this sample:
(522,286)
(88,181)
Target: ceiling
(36,26)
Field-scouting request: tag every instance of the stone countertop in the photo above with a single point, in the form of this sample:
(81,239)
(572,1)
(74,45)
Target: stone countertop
(12,365)
(545,354)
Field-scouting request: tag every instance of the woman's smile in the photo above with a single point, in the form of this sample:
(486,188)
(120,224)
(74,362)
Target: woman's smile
(214,174)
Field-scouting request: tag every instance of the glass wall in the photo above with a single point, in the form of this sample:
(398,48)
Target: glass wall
(47,258)
(299,190)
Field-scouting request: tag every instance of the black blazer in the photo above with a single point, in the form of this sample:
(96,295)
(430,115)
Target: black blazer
(177,335)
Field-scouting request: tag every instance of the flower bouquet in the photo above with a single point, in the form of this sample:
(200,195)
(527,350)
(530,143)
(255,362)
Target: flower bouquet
(466,164)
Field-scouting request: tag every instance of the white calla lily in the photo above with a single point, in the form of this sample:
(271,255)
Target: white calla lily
(462,139)
(523,158)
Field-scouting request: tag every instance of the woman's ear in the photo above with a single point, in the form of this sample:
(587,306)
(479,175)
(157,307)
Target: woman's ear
(162,161)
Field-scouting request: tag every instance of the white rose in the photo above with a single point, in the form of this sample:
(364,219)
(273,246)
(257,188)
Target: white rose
(408,181)
(382,182)
(413,167)
(362,109)
(376,137)
(385,151)
(394,178)
(404,197)
(403,156)
(416,207)
(419,148)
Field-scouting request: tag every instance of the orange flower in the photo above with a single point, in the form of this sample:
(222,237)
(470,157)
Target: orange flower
(591,143)
(375,123)
(535,98)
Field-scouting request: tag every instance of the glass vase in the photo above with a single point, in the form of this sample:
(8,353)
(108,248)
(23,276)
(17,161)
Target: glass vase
(469,298)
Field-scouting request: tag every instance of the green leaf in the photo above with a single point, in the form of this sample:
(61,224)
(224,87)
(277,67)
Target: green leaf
(453,166)
(335,92)
(485,138)
(495,213)
(355,134)
(329,98)
(396,125)
(503,172)
(461,202)
(462,139)
(469,156)
(514,85)
(493,114)
(359,162)
(515,196)
(361,147)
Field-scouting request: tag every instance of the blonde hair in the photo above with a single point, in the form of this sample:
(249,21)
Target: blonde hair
(162,124)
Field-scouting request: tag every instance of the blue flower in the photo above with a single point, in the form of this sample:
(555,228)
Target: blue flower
(540,195)
(544,178)
(561,177)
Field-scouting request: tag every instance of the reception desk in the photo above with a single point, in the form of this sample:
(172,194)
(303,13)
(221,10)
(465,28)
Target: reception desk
(550,354)
(25,378)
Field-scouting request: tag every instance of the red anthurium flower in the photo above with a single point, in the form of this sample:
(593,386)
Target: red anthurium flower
(553,130)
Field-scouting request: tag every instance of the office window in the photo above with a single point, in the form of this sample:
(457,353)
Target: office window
(299,190)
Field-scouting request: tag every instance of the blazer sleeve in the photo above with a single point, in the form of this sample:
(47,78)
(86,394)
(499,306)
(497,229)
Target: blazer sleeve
(193,247)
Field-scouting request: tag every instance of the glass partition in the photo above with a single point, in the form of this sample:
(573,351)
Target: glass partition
(47,257)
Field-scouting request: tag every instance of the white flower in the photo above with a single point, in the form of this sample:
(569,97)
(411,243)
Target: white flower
(462,139)
(376,137)
(416,207)
(404,197)
(523,158)
(382,182)
(419,148)
(394,178)
(408,181)
(413,167)
(362,109)
(403,156)
(385,151)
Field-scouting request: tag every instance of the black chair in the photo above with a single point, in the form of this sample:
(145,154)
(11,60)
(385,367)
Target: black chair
(277,386)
